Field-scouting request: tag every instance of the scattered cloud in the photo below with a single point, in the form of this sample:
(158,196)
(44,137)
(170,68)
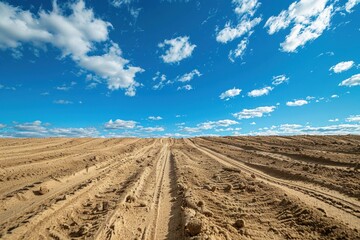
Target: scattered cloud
(186,87)
(179,49)
(297,129)
(245,10)
(231,93)
(254,113)
(189,76)
(354,80)
(162,81)
(350,4)
(253,123)
(334,120)
(297,103)
(353,118)
(120,124)
(246,6)
(155,118)
(38,129)
(309,20)
(280,79)
(63,102)
(75,31)
(209,125)
(229,33)
(260,92)
(334,96)
(342,66)
(152,129)
(239,51)
(119,3)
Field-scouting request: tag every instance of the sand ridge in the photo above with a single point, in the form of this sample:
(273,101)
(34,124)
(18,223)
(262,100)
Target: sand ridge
(302,187)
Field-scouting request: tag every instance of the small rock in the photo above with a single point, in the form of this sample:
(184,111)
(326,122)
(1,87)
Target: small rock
(194,227)
(240,223)
(228,187)
(43,190)
(253,175)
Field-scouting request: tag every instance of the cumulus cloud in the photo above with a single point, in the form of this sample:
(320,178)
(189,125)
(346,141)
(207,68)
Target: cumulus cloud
(178,49)
(231,93)
(353,118)
(342,66)
(297,103)
(155,118)
(280,79)
(189,76)
(253,113)
(354,80)
(120,124)
(210,125)
(246,6)
(244,9)
(38,129)
(229,33)
(260,92)
(75,31)
(350,4)
(309,20)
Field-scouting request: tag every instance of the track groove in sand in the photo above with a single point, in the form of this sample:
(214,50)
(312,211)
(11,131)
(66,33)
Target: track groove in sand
(334,205)
(177,188)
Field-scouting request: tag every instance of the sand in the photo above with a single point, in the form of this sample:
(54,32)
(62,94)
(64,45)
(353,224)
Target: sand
(303,187)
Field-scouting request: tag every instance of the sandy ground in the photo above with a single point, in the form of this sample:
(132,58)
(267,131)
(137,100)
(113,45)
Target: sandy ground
(304,187)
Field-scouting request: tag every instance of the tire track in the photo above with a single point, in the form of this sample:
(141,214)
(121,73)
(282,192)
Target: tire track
(333,205)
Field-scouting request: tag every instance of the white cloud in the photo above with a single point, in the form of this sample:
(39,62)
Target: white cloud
(231,93)
(155,118)
(253,113)
(120,124)
(350,4)
(179,49)
(253,123)
(119,3)
(309,19)
(240,50)
(296,129)
(162,81)
(63,102)
(334,120)
(210,125)
(354,80)
(246,6)
(186,87)
(189,76)
(2,126)
(354,118)
(334,96)
(228,33)
(297,103)
(342,66)
(75,34)
(153,129)
(38,129)
(277,80)
(260,92)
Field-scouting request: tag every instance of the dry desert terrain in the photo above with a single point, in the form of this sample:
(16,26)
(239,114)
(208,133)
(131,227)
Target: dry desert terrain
(302,187)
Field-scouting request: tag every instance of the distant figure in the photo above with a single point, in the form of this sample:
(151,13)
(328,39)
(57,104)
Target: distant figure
(87,167)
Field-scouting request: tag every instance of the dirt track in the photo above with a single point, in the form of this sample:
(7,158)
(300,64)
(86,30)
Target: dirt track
(202,188)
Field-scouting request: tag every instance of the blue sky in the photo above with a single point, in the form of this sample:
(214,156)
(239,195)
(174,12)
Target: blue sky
(179,68)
